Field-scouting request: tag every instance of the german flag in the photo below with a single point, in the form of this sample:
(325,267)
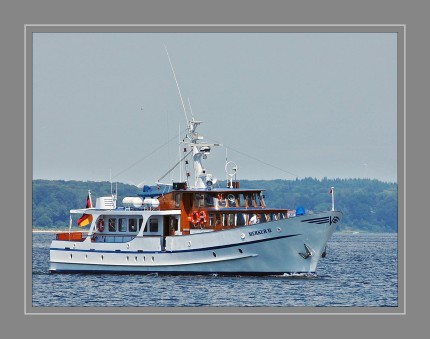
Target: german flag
(86,219)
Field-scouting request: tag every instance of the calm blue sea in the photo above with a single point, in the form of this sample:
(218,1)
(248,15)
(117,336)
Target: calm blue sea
(359,270)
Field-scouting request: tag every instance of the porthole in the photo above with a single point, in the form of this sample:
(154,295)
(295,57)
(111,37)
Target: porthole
(152,259)
(214,254)
(71,256)
(86,256)
(128,258)
(144,258)
(101,257)
(135,258)
(240,250)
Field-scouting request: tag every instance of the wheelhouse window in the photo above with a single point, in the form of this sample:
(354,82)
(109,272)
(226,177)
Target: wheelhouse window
(260,200)
(248,202)
(199,200)
(203,200)
(112,225)
(209,200)
(177,199)
(231,198)
(241,200)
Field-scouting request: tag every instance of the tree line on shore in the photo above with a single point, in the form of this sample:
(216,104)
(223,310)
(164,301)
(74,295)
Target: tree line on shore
(367,204)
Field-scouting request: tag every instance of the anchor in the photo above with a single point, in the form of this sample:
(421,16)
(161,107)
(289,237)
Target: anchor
(324,253)
(308,252)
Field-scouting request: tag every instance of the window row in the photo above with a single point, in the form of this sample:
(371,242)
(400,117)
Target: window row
(132,225)
(228,200)
(242,219)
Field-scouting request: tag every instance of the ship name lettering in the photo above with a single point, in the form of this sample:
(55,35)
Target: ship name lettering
(259,232)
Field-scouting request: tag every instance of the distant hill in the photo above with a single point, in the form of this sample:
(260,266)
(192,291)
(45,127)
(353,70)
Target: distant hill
(367,205)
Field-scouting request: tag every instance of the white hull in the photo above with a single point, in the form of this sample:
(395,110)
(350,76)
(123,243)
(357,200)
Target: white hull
(292,245)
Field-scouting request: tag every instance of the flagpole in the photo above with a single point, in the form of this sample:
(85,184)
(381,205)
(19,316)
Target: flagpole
(91,202)
(332,198)
(70,224)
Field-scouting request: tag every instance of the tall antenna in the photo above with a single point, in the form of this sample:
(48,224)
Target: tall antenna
(177,84)
(179,152)
(191,110)
(110,179)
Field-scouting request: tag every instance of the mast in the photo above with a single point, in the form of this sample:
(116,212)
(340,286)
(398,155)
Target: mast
(200,150)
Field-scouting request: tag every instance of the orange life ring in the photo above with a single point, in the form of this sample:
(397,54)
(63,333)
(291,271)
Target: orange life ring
(100,225)
(194,217)
(203,217)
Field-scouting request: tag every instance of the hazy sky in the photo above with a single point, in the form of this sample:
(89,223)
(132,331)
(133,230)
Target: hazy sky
(304,104)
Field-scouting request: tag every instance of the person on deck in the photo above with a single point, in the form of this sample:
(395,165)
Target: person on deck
(253,219)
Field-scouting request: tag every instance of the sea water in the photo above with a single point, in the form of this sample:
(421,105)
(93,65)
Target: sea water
(360,270)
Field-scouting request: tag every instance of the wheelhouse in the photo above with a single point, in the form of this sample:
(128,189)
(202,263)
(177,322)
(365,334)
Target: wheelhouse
(218,209)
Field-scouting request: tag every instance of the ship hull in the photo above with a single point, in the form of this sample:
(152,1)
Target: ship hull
(293,245)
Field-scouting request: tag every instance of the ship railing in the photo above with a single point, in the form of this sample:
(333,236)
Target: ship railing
(128,208)
(113,238)
(226,218)
(116,238)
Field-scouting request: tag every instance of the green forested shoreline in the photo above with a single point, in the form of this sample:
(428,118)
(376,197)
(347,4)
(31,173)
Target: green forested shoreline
(367,205)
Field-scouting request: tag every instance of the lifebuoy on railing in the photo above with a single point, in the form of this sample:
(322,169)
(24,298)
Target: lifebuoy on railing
(203,217)
(101,225)
(194,217)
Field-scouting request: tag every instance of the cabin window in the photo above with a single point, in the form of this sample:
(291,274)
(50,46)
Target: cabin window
(241,219)
(260,199)
(230,218)
(140,223)
(153,225)
(132,225)
(211,219)
(253,219)
(209,199)
(249,201)
(173,224)
(221,200)
(112,226)
(122,225)
(254,199)
(177,199)
(199,200)
(218,219)
(240,200)
(231,200)
(203,200)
